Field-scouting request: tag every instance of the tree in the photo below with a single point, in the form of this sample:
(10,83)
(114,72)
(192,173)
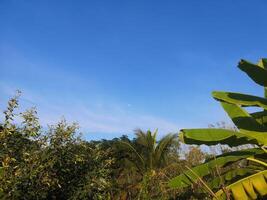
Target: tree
(50,164)
(194,156)
(248,181)
(146,159)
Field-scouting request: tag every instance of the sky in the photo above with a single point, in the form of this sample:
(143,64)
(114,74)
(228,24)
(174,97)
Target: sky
(114,66)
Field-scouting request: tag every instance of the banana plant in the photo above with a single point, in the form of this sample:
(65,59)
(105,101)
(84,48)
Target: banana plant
(250,180)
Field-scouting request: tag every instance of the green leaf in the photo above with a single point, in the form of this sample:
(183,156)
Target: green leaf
(263,63)
(250,187)
(245,123)
(260,117)
(240,99)
(161,148)
(213,136)
(186,179)
(229,176)
(255,72)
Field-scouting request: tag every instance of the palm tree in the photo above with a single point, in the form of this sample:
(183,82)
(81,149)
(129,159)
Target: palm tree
(147,157)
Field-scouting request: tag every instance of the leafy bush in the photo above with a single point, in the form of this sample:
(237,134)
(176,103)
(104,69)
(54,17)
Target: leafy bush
(52,164)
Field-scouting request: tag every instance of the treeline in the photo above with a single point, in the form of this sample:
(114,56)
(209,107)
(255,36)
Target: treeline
(55,163)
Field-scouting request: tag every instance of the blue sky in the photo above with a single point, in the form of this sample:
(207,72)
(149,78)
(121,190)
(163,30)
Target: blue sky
(114,66)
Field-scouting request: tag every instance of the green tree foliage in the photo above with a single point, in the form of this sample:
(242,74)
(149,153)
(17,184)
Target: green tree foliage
(248,179)
(149,161)
(56,163)
(52,164)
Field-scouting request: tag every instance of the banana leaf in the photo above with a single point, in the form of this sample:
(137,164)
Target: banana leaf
(250,187)
(229,176)
(240,99)
(245,123)
(255,72)
(213,136)
(260,117)
(189,176)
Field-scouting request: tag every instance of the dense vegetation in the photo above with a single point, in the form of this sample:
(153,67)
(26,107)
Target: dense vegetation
(55,163)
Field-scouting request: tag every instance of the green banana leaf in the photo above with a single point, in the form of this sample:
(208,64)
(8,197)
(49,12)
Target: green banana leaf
(260,117)
(189,176)
(255,72)
(240,99)
(263,63)
(246,123)
(229,176)
(247,188)
(213,136)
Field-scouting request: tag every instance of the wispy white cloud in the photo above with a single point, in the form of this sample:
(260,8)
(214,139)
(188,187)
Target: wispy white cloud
(116,119)
(105,118)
